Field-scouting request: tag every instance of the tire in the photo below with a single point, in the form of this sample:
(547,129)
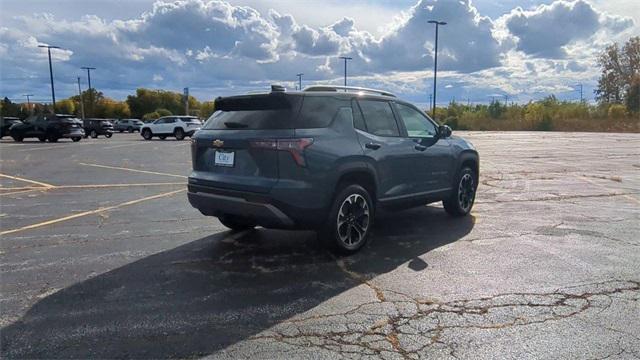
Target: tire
(146,134)
(42,138)
(179,134)
(162,137)
(93,134)
(76,139)
(349,222)
(52,138)
(108,135)
(120,131)
(461,200)
(129,129)
(17,138)
(236,223)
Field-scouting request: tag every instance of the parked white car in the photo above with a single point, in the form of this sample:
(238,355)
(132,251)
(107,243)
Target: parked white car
(177,126)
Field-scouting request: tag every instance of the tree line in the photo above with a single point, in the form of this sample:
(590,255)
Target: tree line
(146,104)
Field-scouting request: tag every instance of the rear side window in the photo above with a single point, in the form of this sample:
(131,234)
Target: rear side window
(254,112)
(378,118)
(320,111)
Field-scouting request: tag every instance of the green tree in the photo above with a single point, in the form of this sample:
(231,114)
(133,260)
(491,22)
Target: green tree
(66,106)
(9,108)
(619,67)
(207,108)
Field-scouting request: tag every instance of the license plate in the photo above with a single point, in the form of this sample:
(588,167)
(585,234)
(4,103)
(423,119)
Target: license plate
(224,158)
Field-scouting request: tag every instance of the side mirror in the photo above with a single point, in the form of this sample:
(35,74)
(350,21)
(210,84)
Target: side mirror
(444,131)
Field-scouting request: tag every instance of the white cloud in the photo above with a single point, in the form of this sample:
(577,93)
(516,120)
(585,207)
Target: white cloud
(546,30)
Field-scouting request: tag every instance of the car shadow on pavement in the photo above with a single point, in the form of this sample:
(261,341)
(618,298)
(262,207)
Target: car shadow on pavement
(211,293)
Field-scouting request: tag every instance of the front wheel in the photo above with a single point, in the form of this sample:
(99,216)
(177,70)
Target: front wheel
(349,222)
(94,134)
(235,222)
(129,129)
(108,135)
(146,134)
(76,138)
(463,195)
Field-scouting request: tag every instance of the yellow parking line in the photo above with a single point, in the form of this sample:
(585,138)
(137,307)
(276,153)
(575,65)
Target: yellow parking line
(91,212)
(89,186)
(134,170)
(21,191)
(27,180)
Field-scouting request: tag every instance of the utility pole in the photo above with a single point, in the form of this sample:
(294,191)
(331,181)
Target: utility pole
(435,64)
(506,99)
(345,58)
(581,98)
(89,82)
(430,102)
(28,101)
(81,99)
(299,75)
(186,100)
(53,92)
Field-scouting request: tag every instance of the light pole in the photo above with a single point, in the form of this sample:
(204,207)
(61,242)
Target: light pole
(299,81)
(89,83)
(53,92)
(345,58)
(435,64)
(81,99)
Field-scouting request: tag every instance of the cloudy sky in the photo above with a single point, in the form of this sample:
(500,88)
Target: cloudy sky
(490,48)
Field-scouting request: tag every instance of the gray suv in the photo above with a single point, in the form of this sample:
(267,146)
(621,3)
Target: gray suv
(326,158)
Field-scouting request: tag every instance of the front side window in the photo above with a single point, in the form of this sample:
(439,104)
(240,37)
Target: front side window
(378,118)
(416,122)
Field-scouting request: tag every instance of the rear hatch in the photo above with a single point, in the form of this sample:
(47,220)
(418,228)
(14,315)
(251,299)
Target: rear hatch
(234,148)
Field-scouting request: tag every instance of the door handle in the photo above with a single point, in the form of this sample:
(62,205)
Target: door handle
(420,147)
(372,146)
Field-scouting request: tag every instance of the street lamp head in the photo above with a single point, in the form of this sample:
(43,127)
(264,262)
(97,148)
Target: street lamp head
(49,46)
(346,57)
(437,22)
(87,68)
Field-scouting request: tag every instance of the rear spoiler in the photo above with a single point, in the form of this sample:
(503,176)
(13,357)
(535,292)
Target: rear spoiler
(270,101)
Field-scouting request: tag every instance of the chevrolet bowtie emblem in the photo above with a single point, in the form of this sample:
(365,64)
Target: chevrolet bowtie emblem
(218,143)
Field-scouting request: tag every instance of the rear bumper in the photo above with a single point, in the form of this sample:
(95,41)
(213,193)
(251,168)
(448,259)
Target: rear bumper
(213,202)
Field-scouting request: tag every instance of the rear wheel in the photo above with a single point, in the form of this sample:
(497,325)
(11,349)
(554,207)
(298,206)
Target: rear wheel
(17,138)
(129,129)
(52,138)
(94,134)
(349,222)
(146,134)
(179,134)
(236,223)
(108,135)
(76,139)
(42,138)
(463,195)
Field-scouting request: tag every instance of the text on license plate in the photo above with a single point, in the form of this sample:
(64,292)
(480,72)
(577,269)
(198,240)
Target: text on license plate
(224,158)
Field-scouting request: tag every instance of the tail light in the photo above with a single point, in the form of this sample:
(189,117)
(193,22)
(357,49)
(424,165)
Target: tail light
(293,146)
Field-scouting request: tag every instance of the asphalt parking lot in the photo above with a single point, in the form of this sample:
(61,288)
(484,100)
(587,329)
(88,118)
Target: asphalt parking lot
(102,256)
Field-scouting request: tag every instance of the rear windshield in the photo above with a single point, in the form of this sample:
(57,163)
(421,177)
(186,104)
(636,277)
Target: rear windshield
(254,112)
